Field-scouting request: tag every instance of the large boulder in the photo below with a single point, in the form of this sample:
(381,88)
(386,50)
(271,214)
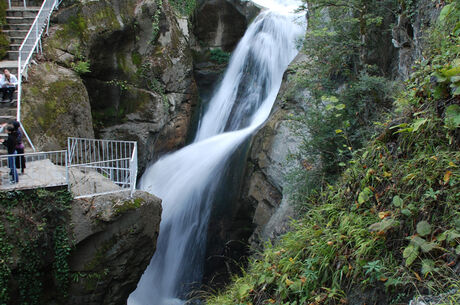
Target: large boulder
(115,238)
(55,106)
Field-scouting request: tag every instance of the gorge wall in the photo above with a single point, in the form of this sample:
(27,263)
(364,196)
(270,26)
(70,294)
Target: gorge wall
(130,65)
(272,155)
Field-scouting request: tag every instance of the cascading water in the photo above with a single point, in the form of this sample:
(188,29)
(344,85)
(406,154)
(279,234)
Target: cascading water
(188,179)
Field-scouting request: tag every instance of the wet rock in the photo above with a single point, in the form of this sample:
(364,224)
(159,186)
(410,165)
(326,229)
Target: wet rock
(221,23)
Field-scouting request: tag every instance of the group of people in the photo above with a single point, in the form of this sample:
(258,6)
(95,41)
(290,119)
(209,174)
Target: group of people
(14,146)
(8,83)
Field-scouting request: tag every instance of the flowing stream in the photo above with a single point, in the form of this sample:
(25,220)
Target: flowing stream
(188,179)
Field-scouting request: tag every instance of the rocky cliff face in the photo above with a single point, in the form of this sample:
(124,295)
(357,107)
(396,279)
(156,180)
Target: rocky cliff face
(270,161)
(218,27)
(276,142)
(134,69)
(115,238)
(408,34)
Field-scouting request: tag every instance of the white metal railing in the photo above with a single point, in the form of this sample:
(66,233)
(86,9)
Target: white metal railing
(9,3)
(101,166)
(44,169)
(32,43)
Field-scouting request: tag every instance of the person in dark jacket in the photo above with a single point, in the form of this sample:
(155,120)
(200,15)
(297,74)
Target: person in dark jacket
(10,144)
(20,160)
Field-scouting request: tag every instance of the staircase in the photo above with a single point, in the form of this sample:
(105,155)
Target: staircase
(18,22)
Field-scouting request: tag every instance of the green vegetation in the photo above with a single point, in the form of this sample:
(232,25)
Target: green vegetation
(4,42)
(219,56)
(81,67)
(34,230)
(390,223)
(156,21)
(184,7)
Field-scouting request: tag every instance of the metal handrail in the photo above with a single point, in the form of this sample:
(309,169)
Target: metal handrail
(9,3)
(133,168)
(114,159)
(58,158)
(32,43)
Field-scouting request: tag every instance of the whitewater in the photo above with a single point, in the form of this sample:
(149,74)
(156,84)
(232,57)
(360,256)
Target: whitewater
(188,179)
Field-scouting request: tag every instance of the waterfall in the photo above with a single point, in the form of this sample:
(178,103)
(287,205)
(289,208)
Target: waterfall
(188,179)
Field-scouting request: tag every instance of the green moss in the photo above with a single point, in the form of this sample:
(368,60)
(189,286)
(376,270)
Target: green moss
(4,41)
(129,205)
(136,58)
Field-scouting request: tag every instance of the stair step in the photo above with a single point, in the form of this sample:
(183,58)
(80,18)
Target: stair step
(8,110)
(14,47)
(22,12)
(16,40)
(16,33)
(31,3)
(6,118)
(13,55)
(19,20)
(15,27)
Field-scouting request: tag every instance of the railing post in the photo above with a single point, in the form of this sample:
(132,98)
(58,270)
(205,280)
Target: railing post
(67,171)
(25,5)
(18,115)
(9,4)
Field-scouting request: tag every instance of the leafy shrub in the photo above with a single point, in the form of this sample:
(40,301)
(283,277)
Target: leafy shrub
(219,56)
(81,67)
(391,221)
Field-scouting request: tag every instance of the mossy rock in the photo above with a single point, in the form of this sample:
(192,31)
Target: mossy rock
(55,106)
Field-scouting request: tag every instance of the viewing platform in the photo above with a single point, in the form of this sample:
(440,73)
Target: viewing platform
(88,167)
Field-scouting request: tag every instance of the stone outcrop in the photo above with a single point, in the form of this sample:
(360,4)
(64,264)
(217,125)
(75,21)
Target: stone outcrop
(140,81)
(115,238)
(271,158)
(221,23)
(218,27)
(55,106)
(408,34)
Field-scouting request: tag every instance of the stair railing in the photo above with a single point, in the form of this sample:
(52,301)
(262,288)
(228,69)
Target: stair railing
(32,43)
(25,4)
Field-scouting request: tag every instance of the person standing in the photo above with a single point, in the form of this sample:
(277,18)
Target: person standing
(20,160)
(8,83)
(10,144)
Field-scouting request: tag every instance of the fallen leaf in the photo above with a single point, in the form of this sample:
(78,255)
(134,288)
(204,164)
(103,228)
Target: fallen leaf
(447,176)
(418,277)
(289,282)
(383,215)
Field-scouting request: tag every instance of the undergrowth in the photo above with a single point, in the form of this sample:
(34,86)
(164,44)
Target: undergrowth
(391,222)
(34,246)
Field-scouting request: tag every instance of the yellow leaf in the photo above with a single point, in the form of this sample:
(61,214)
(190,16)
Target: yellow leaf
(418,276)
(434,158)
(337,131)
(289,282)
(271,301)
(447,176)
(452,164)
(291,259)
(383,215)
(387,174)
